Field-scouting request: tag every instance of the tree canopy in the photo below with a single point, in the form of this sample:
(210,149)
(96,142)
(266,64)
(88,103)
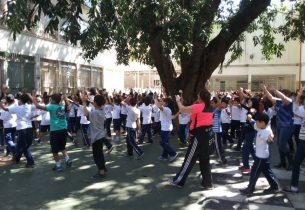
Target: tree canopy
(196,34)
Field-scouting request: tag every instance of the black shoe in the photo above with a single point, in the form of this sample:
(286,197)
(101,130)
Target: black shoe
(246,191)
(271,190)
(206,187)
(98,176)
(29,165)
(280,165)
(289,190)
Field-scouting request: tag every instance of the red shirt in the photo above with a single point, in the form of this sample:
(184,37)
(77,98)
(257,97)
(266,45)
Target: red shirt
(203,118)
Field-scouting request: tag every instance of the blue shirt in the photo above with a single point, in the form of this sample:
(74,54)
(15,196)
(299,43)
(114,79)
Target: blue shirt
(216,121)
(284,114)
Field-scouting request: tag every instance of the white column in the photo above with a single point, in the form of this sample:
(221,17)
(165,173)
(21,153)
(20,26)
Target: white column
(249,81)
(37,74)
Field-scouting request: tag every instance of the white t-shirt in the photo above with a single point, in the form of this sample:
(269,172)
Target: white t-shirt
(156,112)
(116,113)
(108,109)
(146,114)
(83,118)
(45,117)
(184,118)
(37,112)
(123,110)
(262,146)
(24,115)
(9,120)
(225,117)
(243,115)
(235,113)
(166,119)
(133,114)
(301,112)
(297,120)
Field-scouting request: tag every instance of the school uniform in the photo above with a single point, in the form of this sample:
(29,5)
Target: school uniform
(146,124)
(218,135)
(84,122)
(184,119)
(116,117)
(226,124)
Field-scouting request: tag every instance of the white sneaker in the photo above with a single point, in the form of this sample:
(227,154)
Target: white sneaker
(173,158)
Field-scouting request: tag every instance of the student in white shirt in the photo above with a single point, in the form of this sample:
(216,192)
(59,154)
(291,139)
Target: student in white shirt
(225,117)
(116,117)
(261,162)
(123,117)
(24,128)
(184,119)
(146,111)
(9,125)
(166,107)
(45,121)
(108,114)
(156,123)
(133,122)
(84,123)
(235,119)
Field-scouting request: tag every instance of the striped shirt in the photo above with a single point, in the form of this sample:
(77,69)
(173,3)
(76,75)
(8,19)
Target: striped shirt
(285,114)
(216,121)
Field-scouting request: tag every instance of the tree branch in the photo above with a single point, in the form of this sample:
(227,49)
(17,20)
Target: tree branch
(219,46)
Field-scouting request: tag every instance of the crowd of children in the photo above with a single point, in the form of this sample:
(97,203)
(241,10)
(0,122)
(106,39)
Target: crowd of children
(239,118)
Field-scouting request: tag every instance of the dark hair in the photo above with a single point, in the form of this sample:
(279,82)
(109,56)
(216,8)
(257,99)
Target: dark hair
(205,96)
(133,101)
(56,98)
(93,91)
(225,100)
(147,101)
(9,99)
(237,99)
(214,99)
(24,98)
(255,103)
(262,117)
(99,100)
(170,103)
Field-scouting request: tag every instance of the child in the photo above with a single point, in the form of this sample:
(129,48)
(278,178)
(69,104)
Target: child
(215,103)
(146,111)
(166,108)
(45,121)
(225,121)
(24,128)
(184,120)
(108,109)
(9,124)
(58,136)
(116,117)
(133,122)
(97,133)
(84,123)
(156,123)
(261,162)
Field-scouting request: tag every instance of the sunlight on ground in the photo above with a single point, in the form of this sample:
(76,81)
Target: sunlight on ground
(84,167)
(105,186)
(67,204)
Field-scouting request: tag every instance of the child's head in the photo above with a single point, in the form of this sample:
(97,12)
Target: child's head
(24,98)
(224,102)
(99,101)
(55,98)
(262,120)
(214,102)
(133,101)
(10,99)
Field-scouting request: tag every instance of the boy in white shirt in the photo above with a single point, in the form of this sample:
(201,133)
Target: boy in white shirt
(261,163)
(146,111)
(133,122)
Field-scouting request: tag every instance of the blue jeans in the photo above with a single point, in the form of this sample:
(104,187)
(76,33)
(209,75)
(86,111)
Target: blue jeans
(9,135)
(146,128)
(182,133)
(123,121)
(248,148)
(24,142)
(72,128)
(167,149)
(298,159)
(283,136)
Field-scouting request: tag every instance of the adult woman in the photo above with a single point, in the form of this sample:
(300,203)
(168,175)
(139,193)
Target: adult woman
(201,128)
(284,129)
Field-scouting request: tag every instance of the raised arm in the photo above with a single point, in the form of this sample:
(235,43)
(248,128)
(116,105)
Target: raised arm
(185,109)
(3,107)
(268,94)
(158,104)
(34,100)
(282,96)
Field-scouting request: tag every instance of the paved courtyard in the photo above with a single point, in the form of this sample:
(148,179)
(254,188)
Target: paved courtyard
(133,184)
